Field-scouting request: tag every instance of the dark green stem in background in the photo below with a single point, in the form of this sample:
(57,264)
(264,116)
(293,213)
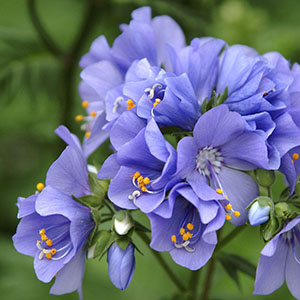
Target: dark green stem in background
(193,283)
(69,59)
(229,237)
(162,262)
(208,280)
(44,36)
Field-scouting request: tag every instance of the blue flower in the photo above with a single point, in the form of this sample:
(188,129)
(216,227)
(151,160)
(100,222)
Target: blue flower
(121,265)
(280,261)
(54,228)
(104,70)
(189,234)
(147,38)
(169,99)
(142,170)
(210,160)
(258,214)
(200,62)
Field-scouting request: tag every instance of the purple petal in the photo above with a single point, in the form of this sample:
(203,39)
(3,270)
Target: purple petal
(217,127)
(156,141)
(102,76)
(166,31)
(98,135)
(270,273)
(69,278)
(69,138)
(187,151)
(109,168)
(69,173)
(201,188)
(241,190)
(125,129)
(26,205)
(121,265)
(46,269)
(247,151)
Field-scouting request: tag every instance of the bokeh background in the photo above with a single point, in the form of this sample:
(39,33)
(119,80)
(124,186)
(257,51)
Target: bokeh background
(38,91)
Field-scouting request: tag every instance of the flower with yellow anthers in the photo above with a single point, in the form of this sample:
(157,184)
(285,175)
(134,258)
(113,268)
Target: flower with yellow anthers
(85,104)
(87,134)
(79,118)
(130,104)
(40,186)
(157,101)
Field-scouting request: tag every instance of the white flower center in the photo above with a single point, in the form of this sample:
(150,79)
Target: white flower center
(209,159)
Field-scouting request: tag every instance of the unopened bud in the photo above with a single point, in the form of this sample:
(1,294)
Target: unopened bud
(265,177)
(258,214)
(122,222)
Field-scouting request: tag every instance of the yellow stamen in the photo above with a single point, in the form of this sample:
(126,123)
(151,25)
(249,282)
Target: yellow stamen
(295,156)
(144,189)
(219,191)
(44,237)
(85,104)
(228,207)
(48,255)
(293,161)
(226,197)
(79,118)
(87,134)
(237,213)
(140,179)
(136,175)
(173,238)
(42,231)
(182,231)
(93,114)
(228,217)
(146,180)
(40,186)
(130,104)
(53,251)
(190,226)
(189,235)
(157,101)
(185,237)
(49,242)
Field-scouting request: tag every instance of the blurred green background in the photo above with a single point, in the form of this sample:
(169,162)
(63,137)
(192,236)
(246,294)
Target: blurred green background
(38,91)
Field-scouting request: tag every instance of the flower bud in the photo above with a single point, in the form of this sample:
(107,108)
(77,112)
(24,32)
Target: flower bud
(121,265)
(258,214)
(122,222)
(265,177)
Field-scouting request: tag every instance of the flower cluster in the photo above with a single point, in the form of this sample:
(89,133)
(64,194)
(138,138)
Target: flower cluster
(197,131)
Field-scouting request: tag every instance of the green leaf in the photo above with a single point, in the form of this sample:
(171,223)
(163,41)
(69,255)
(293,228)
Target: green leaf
(264,177)
(91,200)
(214,101)
(104,240)
(123,242)
(98,187)
(233,264)
(26,66)
(271,228)
(139,227)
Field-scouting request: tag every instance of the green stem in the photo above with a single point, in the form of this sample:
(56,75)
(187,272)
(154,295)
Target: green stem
(106,203)
(208,280)
(162,262)
(51,46)
(229,237)
(193,283)
(269,192)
